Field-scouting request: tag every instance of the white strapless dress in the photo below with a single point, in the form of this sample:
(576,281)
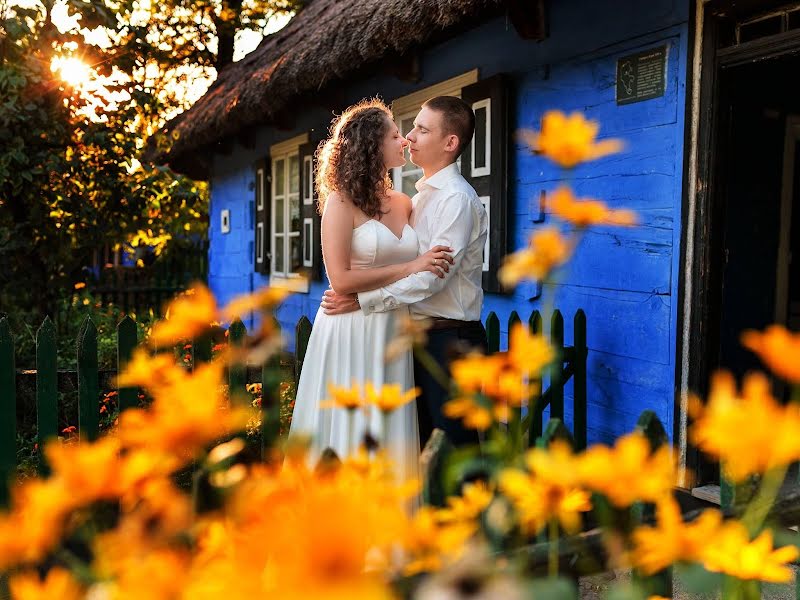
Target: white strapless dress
(351,348)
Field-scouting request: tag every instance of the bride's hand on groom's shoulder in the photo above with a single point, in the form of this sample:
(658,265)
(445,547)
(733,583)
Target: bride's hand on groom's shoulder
(339,304)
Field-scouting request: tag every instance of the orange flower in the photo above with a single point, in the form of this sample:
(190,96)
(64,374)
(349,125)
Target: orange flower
(343,397)
(390,397)
(527,352)
(778,348)
(585,212)
(57,584)
(187,316)
(548,249)
(265,298)
(569,140)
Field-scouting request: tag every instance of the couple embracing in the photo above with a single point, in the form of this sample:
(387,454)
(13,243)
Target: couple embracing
(389,256)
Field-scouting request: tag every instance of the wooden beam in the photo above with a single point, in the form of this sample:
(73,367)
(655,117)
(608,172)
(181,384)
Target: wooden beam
(529,18)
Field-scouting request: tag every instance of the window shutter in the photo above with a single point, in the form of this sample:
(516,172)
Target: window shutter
(263,187)
(311,242)
(484,165)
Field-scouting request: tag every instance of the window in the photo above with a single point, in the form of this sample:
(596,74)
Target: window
(286,223)
(405,109)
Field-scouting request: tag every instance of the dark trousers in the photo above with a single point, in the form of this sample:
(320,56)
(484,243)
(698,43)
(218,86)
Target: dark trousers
(444,346)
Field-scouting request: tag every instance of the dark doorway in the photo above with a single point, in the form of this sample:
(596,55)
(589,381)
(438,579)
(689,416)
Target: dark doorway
(747,200)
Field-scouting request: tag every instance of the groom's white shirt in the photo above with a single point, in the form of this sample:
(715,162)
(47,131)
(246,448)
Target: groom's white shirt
(447,212)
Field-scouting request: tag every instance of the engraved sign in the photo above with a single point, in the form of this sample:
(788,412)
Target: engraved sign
(641,76)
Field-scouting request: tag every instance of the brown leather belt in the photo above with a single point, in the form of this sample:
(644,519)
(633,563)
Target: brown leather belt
(442,323)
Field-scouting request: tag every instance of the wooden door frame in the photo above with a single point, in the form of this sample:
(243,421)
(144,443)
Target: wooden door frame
(699,279)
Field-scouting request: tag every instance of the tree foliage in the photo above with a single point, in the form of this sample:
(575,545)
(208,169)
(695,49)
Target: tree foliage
(70,178)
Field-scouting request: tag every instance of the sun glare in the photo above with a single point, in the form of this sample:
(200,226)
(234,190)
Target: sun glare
(72,70)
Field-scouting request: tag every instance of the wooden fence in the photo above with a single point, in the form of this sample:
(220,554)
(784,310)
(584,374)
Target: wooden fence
(572,365)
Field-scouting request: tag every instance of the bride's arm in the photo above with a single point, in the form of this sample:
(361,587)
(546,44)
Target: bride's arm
(337,234)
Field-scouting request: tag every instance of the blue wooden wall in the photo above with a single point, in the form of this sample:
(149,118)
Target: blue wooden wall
(626,280)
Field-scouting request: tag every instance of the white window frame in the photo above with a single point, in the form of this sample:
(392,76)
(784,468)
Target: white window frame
(285,151)
(308,242)
(487,168)
(260,207)
(408,106)
(308,180)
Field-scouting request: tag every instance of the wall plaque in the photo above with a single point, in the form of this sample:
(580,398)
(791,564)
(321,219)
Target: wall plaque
(641,76)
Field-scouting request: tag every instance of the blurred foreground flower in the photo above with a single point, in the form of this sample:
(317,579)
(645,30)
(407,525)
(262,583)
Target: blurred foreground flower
(548,249)
(586,212)
(750,432)
(778,348)
(187,316)
(569,140)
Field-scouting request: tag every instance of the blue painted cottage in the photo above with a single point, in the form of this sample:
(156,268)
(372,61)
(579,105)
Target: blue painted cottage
(659,74)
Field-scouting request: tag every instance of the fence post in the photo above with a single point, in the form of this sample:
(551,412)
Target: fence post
(88,388)
(579,355)
(201,348)
(271,377)
(46,389)
(535,408)
(492,333)
(513,319)
(237,373)
(126,343)
(557,368)
(8,411)
(302,333)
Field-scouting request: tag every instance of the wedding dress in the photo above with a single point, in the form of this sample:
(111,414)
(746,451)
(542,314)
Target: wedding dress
(351,347)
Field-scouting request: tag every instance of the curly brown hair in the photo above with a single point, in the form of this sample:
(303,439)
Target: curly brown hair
(350,161)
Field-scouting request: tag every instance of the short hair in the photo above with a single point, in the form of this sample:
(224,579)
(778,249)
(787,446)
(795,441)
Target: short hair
(457,118)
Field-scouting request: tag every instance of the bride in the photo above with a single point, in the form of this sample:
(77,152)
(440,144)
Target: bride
(367,243)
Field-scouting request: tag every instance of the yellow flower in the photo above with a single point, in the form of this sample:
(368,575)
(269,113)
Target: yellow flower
(390,397)
(433,542)
(149,371)
(749,432)
(187,316)
(408,333)
(547,250)
(342,397)
(778,348)
(628,472)
(474,499)
(266,298)
(473,372)
(184,417)
(569,140)
(671,540)
(509,387)
(58,584)
(529,353)
(585,212)
(89,470)
(474,414)
(550,491)
(732,553)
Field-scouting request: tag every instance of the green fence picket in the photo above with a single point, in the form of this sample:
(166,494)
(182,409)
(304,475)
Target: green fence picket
(493,333)
(126,343)
(88,386)
(8,411)
(46,389)
(513,319)
(271,378)
(237,373)
(535,402)
(202,349)
(557,368)
(302,334)
(579,356)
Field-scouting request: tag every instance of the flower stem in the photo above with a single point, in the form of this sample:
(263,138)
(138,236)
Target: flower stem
(758,507)
(430,364)
(552,550)
(352,438)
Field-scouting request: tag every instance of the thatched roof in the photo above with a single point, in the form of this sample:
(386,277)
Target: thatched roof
(327,41)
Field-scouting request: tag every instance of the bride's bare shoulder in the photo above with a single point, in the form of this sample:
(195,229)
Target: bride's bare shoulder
(401,200)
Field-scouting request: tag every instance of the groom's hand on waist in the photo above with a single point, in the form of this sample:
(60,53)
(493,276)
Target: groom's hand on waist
(339,304)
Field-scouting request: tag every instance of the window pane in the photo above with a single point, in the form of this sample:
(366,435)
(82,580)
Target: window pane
(297,259)
(479,141)
(294,213)
(279,176)
(294,174)
(279,253)
(279,215)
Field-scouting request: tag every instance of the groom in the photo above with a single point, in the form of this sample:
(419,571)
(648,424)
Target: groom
(447,212)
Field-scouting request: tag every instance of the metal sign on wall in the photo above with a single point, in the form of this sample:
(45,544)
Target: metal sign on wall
(641,76)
